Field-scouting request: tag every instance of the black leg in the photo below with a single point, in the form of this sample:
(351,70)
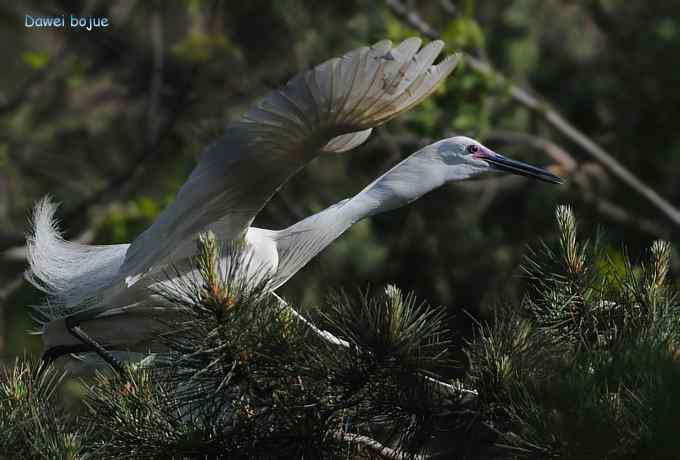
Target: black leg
(52,354)
(78,333)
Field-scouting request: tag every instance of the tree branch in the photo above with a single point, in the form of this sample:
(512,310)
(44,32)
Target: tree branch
(156,84)
(567,163)
(618,214)
(550,115)
(553,151)
(376,447)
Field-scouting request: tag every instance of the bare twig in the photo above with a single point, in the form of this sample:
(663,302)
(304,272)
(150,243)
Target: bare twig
(569,166)
(558,154)
(10,287)
(449,7)
(412,18)
(549,114)
(156,84)
(376,447)
(618,214)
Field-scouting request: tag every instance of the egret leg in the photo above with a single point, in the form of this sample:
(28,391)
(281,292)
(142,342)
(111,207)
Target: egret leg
(321,333)
(75,330)
(51,354)
(447,387)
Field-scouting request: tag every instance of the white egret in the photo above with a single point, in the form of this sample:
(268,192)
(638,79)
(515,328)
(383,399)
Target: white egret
(331,108)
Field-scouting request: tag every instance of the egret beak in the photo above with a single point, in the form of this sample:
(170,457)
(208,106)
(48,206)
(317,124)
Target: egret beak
(502,163)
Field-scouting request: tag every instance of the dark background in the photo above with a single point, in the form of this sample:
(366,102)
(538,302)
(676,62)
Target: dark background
(109,122)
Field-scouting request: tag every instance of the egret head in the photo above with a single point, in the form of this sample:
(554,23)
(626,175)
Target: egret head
(468,158)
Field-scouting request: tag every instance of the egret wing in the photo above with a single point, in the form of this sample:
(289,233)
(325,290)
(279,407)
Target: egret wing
(331,108)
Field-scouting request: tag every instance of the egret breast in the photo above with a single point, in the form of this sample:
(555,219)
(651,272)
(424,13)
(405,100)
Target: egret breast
(260,257)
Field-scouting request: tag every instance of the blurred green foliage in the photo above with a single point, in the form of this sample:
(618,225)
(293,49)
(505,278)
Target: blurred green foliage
(36,59)
(84,118)
(123,220)
(79,119)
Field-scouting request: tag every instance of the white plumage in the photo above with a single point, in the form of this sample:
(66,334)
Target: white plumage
(331,108)
(238,174)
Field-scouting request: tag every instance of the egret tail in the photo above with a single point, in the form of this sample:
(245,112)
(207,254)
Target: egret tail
(69,273)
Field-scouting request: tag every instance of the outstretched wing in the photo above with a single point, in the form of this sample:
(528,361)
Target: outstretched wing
(331,108)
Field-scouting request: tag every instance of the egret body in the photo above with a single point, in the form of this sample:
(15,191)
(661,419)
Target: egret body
(331,108)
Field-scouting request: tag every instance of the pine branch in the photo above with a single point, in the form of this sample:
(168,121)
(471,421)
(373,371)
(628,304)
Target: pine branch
(32,425)
(586,366)
(237,348)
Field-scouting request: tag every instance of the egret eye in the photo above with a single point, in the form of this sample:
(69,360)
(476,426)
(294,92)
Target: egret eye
(472,148)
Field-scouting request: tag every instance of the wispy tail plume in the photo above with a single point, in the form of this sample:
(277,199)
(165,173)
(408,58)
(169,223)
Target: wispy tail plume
(69,273)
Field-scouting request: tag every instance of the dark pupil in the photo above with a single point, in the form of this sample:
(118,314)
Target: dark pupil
(472,148)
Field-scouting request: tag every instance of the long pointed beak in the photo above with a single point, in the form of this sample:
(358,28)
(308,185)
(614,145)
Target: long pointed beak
(502,163)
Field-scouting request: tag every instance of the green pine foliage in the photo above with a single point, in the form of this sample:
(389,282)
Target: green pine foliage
(587,366)
(32,425)
(243,378)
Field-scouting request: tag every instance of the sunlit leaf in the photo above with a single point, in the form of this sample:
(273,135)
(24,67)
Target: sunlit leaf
(36,59)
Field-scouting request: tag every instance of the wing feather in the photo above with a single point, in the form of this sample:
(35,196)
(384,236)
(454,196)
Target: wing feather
(347,142)
(331,108)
